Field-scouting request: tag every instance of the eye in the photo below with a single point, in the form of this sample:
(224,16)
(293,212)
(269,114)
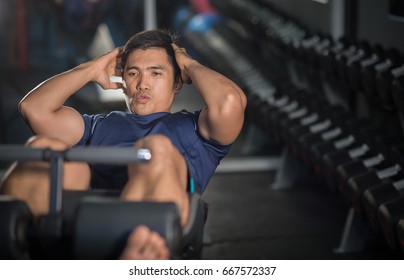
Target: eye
(156,73)
(133,74)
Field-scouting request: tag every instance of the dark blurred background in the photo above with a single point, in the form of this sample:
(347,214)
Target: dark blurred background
(39,38)
(265,202)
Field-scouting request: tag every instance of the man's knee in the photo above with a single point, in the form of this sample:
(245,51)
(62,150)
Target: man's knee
(161,147)
(46,142)
(76,174)
(165,157)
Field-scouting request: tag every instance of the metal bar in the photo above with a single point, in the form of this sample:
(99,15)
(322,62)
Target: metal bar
(19,152)
(56,182)
(110,155)
(107,155)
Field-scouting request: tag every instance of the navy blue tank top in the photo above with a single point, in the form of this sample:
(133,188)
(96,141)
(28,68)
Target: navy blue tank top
(124,129)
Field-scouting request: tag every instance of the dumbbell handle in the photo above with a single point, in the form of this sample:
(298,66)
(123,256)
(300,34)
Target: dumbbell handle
(398,72)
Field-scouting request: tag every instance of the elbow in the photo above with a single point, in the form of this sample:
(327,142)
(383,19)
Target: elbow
(28,112)
(236,102)
(23,108)
(243,99)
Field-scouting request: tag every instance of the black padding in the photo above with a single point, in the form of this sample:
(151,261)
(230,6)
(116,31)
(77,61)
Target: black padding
(15,220)
(103,225)
(72,200)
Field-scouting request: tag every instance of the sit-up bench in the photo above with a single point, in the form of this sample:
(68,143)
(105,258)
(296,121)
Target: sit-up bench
(90,224)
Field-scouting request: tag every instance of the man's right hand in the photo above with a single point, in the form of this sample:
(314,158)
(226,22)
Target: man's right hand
(106,66)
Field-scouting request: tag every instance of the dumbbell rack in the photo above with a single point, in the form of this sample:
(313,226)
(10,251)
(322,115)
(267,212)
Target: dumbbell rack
(365,79)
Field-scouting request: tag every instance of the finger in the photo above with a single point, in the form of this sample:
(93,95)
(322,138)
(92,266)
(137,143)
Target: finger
(114,57)
(120,50)
(178,49)
(117,50)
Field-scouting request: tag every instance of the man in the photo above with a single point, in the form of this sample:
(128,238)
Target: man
(185,146)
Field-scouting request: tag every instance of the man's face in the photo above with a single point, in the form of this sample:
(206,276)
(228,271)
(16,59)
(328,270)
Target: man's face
(148,82)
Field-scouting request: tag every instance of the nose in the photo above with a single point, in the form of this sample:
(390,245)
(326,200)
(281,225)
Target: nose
(142,83)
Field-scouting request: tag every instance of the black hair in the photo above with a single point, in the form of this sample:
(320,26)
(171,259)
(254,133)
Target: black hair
(156,38)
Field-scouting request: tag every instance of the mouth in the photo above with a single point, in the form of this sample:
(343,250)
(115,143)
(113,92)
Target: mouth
(142,98)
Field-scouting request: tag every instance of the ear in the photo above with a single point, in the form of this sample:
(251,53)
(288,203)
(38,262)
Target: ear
(178,85)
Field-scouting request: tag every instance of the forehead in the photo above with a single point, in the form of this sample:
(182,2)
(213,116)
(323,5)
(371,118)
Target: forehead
(148,57)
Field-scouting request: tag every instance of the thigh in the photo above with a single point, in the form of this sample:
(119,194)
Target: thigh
(76,175)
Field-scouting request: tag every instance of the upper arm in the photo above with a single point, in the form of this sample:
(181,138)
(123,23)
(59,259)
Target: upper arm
(65,124)
(223,124)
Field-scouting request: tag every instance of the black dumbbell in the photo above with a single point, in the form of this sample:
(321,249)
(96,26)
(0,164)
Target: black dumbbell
(331,130)
(294,103)
(400,234)
(315,53)
(353,65)
(374,143)
(304,50)
(375,196)
(368,73)
(397,87)
(255,109)
(357,185)
(358,167)
(334,159)
(389,214)
(301,117)
(342,59)
(253,102)
(328,57)
(350,137)
(383,146)
(270,109)
(320,125)
(384,77)
(265,124)
(309,67)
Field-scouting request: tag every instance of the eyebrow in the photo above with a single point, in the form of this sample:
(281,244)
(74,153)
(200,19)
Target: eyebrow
(153,67)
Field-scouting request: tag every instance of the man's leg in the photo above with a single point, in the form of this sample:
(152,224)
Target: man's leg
(163,178)
(29,181)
